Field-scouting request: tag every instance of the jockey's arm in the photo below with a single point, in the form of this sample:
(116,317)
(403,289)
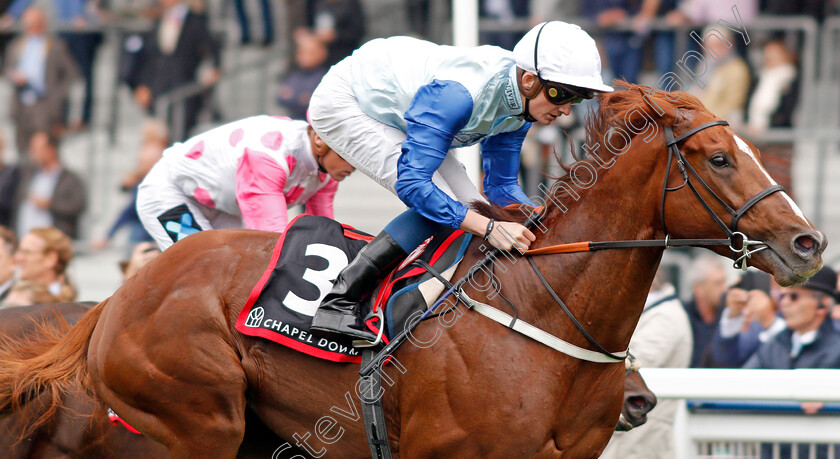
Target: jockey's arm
(321,203)
(500,156)
(259,192)
(438,111)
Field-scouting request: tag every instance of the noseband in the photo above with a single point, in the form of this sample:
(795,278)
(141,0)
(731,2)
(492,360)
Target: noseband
(736,238)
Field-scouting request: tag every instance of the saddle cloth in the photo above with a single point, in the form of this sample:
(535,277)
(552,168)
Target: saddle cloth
(304,264)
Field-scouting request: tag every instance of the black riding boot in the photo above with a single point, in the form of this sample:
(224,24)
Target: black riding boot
(338,312)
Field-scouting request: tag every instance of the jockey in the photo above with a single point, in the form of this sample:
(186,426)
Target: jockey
(242,174)
(395,108)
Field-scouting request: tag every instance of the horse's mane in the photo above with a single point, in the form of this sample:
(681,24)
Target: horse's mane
(629,105)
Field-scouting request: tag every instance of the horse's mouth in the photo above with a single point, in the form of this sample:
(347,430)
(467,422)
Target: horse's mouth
(784,272)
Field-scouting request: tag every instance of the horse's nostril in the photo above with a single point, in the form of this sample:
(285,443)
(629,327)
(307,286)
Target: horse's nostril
(640,403)
(805,244)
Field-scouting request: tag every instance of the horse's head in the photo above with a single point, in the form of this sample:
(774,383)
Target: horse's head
(716,184)
(638,399)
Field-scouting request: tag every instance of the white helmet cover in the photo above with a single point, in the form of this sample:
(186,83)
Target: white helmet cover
(566,55)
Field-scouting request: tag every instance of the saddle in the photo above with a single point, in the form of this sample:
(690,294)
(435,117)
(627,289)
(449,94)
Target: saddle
(416,283)
(304,264)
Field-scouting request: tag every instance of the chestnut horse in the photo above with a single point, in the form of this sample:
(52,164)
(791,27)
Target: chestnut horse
(164,354)
(82,428)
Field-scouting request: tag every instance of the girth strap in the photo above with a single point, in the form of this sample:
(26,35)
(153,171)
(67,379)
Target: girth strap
(373,415)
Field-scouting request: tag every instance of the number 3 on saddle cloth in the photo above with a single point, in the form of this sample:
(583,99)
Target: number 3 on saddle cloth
(306,260)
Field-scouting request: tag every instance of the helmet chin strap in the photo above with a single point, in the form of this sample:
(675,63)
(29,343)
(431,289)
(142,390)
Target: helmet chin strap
(526,113)
(318,159)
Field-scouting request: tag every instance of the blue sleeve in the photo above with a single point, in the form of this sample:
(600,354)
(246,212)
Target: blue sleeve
(438,111)
(17,8)
(725,351)
(500,154)
(733,352)
(67,10)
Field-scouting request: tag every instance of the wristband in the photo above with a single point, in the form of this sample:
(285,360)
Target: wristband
(489,229)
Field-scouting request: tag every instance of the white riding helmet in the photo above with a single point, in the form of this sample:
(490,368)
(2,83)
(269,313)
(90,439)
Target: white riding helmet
(565,54)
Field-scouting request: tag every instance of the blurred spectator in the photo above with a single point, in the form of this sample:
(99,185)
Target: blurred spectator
(505,11)
(700,12)
(8,245)
(814,8)
(297,85)
(244,27)
(723,82)
(297,16)
(42,71)
(708,278)
(27,293)
(9,176)
(48,194)
(6,24)
(340,24)
(155,140)
(170,58)
(809,340)
(43,256)
(418,17)
(624,49)
(78,16)
(662,340)
(549,10)
(142,253)
(774,98)
(749,318)
(771,105)
(835,311)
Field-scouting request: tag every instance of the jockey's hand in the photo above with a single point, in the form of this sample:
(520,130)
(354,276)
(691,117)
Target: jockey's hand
(504,236)
(510,236)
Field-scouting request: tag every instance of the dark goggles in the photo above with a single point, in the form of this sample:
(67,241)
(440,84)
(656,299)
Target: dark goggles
(557,93)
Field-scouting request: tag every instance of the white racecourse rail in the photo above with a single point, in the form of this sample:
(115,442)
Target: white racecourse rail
(731,435)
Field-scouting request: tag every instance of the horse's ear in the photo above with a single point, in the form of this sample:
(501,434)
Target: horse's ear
(659,106)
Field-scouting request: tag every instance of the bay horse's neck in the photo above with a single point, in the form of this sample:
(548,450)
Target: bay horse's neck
(606,289)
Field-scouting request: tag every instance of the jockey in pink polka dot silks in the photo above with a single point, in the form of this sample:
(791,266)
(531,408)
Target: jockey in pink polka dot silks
(240,175)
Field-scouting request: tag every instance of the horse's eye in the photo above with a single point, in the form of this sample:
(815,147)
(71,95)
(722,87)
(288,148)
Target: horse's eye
(719,161)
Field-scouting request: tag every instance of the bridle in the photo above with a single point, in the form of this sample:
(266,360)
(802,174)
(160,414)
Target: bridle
(736,238)
(737,241)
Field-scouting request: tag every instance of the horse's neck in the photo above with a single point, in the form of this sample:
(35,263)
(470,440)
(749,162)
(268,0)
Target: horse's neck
(606,289)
